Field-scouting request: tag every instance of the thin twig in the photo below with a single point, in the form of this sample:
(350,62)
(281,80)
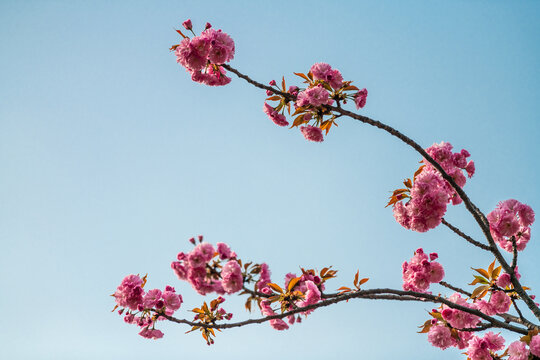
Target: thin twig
(465,236)
(451,287)
(481,327)
(517,309)
(514,258)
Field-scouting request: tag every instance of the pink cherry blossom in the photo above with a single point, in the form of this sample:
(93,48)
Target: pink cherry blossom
(360,98)
(500,302)
(223,250)
(277,118)
(419,272)
(130,293)
(312,133)
(324,72)
(314,96)
(518,351)
(232,280)
(172,300)
(440,336)
(221,46)
(534,345)
(511,219)
(504,280)
(264,277)
(151,333)
(151,298)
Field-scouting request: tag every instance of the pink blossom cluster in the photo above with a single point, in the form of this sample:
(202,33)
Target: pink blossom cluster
(481,348)
(427,206)
(203,270)
(142,308)
(440,333)
(430,193)
(325,87)
(324,72)
(459,319)
(314,96)
(264,279)
(309,284)
(511,219)
(312,133)
(266,310)
(453,164)
(421,271)
(518,349)
(277,118)
(499,303)
(202,55)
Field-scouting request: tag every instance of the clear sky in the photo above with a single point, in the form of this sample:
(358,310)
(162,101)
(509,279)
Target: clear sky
(111,158)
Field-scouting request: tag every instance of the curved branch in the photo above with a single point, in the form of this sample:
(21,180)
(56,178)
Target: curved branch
(479,217)
(383,294)
(465,236)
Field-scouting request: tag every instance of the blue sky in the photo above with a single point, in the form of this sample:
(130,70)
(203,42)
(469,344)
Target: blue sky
(112,158)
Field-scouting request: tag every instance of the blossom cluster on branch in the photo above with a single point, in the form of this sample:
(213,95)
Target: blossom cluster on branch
(460,317)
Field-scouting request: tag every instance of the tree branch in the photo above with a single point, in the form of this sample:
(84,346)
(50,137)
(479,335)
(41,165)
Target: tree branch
(514,248)
(377,294)
(459,290)
(465,236)
(479,217)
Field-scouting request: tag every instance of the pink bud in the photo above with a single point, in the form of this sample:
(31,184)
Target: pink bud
(187,24)
(200,238)
(433,256)
(269,93)
(207,26)
(192,240)
(169,288)
(273,83)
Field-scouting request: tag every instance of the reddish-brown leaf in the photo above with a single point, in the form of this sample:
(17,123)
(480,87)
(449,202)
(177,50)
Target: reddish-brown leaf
(184,36)
(302,76)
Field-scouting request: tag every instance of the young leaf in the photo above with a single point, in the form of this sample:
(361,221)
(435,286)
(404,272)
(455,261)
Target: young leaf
(490,269)
(184,36)
(479,292)
(276,287)
(482,272)
(302,76)
(292,283)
